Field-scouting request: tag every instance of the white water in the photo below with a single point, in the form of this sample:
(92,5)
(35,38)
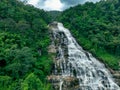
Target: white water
(91,73)
(61,82)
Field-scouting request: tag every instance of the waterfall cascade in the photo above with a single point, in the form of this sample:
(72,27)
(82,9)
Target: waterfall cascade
(73,61)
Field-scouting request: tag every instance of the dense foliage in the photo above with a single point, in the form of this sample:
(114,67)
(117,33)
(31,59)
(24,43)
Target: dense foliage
(54,15)
(97,28)
(24,61)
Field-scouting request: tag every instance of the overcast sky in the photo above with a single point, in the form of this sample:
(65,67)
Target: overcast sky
(59,5)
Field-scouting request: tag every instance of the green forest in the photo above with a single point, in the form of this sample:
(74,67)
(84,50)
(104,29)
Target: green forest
(97,29)
(24,39)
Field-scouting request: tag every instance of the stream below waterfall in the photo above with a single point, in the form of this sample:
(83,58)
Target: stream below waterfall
(73,61)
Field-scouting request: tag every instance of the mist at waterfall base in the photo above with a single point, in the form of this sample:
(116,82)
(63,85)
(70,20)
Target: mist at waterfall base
(73,61)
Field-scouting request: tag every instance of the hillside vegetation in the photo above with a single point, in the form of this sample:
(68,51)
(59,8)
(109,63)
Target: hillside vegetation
(24,61)
(24,38)
(97,28)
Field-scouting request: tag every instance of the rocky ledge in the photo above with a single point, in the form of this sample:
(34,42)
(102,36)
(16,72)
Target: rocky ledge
(68,83)
(116,76)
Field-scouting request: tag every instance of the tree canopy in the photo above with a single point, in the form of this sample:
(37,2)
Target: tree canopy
(24,39)
(97,28)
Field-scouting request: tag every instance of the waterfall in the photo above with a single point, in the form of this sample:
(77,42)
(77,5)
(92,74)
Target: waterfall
(61,82)
(72,60)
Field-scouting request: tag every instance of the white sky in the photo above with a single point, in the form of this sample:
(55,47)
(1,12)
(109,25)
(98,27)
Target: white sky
(33,2)
(52,4)
(48,4)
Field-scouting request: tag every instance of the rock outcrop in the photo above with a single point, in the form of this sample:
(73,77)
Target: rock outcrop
(68,83)
(116,76)
(75,68)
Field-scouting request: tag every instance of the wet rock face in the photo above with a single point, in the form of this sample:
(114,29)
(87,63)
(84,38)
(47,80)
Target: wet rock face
(54,24)
(51,49)
(116,76)
(75,68)
(69,83)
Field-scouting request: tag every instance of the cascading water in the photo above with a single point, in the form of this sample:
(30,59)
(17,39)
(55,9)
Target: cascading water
(72,60)
(61,82)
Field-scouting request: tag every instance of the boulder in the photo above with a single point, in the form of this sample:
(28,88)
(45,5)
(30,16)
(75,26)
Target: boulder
(69,83)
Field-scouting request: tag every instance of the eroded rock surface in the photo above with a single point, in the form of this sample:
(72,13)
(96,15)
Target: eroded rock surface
(68,83)
(75,68)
